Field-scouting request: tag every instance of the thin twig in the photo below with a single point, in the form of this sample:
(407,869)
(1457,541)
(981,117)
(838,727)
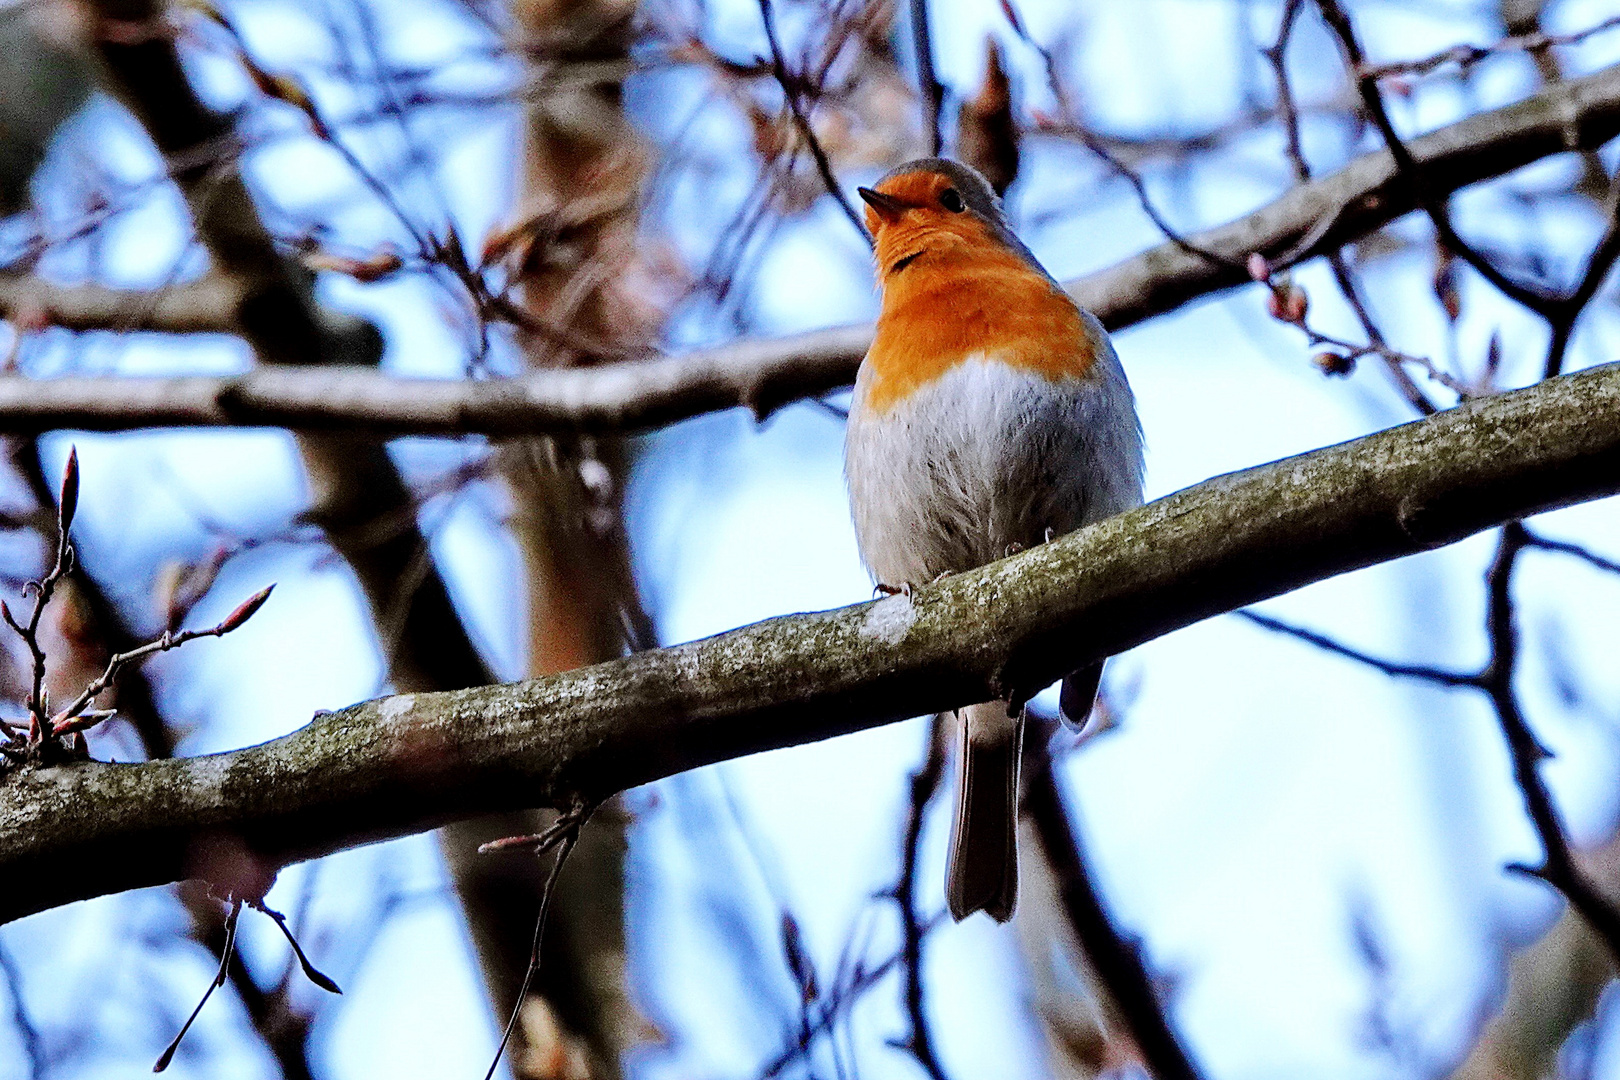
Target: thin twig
(1071,124)
(310,971)
(923,784)
(1558,867)
(225,954)
(1395,668)
(790,91)
(73,717)
(40,738)
(1145,201)
(933,93)
(1288,111)
(1568,310)
(563,835)
(1586,555)
(1289,304)
(836,1003)
(1466,56)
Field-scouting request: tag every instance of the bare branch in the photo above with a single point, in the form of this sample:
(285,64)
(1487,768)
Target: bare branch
(397,765)
(1466,56)
(1112,955)
(790,90)
(922,785)
(1311,219)
(205,306)
(231,922)
(1558,867)
(1396,668)
(929,86)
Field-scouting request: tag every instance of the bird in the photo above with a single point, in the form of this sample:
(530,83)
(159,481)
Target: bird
(990,415)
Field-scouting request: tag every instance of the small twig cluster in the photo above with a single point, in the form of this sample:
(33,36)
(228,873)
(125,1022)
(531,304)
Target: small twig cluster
(1560,310)
(801,118)
(560,836)
(38,741)
(1288,302)
(228,953)
(825,1003)
(52,736)
(1466,56)
(55,736)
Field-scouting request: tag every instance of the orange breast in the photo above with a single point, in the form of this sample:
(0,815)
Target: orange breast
(951,305)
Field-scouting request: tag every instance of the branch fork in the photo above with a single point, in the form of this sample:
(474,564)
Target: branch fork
(52,737)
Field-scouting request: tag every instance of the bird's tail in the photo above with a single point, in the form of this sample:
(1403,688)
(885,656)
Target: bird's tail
(983,871)
(1079,694)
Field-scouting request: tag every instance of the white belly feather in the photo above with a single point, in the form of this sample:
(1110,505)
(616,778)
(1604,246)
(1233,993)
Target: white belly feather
(986,458)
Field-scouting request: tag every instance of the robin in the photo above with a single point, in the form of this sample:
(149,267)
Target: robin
(990,414)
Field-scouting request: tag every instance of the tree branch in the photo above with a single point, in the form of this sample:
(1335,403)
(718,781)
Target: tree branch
(204,306)
(1553,985)
(398,765)
(1113,954)
(1310,219)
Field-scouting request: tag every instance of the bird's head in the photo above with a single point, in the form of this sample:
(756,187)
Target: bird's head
(935,211)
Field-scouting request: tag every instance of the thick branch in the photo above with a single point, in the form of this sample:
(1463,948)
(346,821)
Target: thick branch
(624,396)
(205,306)
(397,765)
(1311,219)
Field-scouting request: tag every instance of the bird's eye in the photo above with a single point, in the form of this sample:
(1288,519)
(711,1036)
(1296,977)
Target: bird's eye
(951,199)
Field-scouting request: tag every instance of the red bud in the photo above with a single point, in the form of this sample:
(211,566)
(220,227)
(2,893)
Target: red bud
(1288,303)
(1012,18)
(69,503)
(1332,363)
(244,611)
(1493,359)
(1445,282)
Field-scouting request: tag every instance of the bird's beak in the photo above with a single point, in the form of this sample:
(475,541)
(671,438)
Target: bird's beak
(888,207)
